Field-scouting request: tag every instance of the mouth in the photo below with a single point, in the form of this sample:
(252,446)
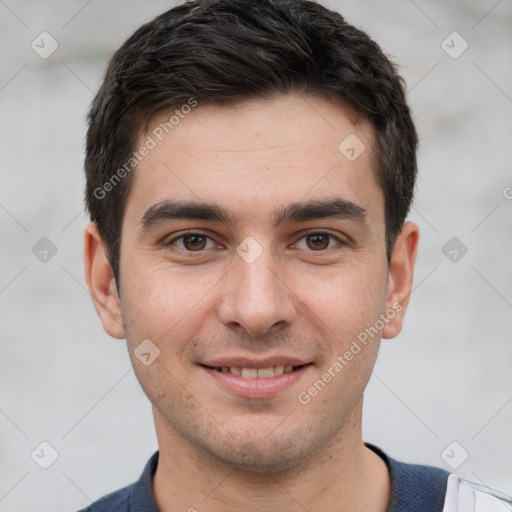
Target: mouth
(257,373)
(250,380)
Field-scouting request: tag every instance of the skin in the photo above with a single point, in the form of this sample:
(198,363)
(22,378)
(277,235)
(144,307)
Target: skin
(297,299)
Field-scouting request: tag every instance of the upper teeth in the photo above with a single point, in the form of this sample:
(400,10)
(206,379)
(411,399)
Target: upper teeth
(258,373)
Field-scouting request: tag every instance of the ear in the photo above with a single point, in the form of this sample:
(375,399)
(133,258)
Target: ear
(101,283)
(401,273)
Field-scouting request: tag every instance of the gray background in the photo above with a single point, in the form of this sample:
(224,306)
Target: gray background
(446,378)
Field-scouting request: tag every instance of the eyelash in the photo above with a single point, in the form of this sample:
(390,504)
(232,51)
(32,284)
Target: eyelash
(310,233)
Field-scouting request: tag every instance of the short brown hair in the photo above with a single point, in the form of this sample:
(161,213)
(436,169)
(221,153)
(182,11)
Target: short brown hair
(222,51)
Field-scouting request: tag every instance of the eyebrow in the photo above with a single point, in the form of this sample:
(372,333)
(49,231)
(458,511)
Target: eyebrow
(295,212)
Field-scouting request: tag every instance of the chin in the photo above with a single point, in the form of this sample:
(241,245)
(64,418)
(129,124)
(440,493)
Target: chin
(254,451)
(253,458)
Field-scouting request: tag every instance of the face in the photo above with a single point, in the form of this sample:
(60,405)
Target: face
(253,260)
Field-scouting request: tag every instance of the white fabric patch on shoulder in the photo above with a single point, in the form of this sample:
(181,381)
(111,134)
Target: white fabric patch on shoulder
(464,496)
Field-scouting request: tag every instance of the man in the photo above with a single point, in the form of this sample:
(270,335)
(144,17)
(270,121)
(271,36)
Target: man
(250,167)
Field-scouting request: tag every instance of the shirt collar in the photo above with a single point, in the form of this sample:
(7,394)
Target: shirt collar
(402,482)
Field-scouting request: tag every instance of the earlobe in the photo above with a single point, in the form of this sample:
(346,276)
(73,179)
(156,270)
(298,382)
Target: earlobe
(401,273)
(101,283)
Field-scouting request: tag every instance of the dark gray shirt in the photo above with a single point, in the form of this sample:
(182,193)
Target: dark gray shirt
(413,488)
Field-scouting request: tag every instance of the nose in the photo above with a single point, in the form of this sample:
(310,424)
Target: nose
(256,298)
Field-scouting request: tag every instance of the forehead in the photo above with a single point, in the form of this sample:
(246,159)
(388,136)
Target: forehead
(257,155)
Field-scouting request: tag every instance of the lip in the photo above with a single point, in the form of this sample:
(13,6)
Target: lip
(256,388)
(245,362)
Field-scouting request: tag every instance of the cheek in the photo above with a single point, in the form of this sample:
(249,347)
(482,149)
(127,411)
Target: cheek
(346,302)
(164,305)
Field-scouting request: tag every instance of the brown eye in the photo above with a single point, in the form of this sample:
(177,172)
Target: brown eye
(318,241)
(194,242)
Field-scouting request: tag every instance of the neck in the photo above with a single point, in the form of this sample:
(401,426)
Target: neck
(346,476)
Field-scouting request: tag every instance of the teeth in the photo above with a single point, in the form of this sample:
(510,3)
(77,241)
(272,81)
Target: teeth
(258,373)
(250,373)
(265,373)
(278,370)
